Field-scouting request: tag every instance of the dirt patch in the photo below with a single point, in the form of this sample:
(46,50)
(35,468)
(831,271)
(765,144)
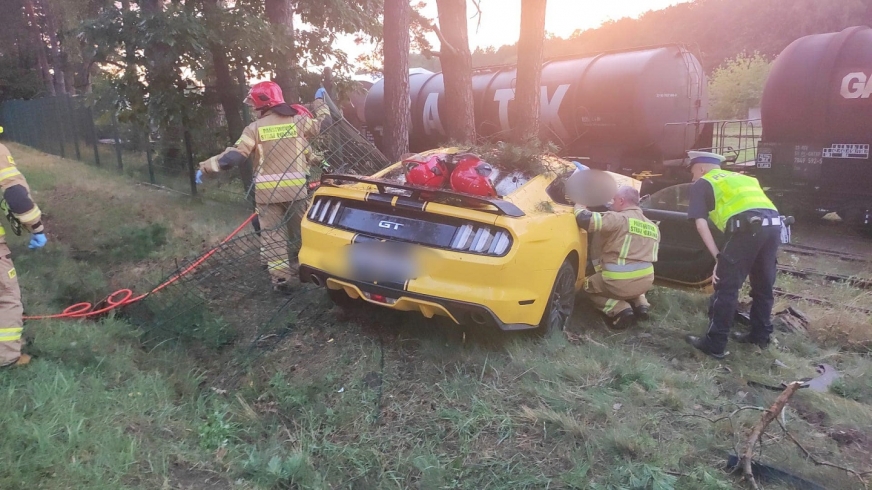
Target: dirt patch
(183,477)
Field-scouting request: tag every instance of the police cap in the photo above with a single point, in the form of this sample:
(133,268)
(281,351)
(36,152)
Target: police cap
(705,157)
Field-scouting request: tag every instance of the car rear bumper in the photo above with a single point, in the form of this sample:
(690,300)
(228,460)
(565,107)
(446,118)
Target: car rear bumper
(460,312)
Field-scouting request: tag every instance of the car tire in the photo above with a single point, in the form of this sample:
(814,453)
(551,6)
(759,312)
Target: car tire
(561,301)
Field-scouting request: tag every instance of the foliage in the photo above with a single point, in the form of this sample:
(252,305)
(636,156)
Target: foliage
(737,86)
(528,158)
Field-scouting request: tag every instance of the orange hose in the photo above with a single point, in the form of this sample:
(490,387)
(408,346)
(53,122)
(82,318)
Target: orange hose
(124,297)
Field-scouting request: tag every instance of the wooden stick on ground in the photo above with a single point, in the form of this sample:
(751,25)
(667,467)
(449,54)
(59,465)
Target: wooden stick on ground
(767,418)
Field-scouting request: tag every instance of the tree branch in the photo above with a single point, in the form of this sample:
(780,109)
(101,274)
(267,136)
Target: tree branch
(767,418)
(445,44)
(824,463)
(477,5)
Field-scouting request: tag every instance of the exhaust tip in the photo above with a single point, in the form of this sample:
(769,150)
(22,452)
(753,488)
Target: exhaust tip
(316,280)
(478,318)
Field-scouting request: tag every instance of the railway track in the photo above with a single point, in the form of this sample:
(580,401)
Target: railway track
(810,251)
(818,301)
(809,274)
(857,282)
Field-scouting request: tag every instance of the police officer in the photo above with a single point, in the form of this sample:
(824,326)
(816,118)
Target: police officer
(21,207)
(628,252)
(737,206)
(279,141)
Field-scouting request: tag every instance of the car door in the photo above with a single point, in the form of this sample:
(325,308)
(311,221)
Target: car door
(682,258)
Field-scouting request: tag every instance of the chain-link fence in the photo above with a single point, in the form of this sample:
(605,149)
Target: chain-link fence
(98,134)
(228,293)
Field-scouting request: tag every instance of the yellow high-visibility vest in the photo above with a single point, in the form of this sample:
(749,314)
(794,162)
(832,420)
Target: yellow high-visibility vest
(734,194)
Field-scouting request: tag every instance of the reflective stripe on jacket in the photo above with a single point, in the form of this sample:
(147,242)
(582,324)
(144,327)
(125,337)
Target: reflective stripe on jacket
(281,150)
(630,243)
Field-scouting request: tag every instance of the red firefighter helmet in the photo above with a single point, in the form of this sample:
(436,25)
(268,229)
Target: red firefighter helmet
(429,173)
(472,176)
(264,95)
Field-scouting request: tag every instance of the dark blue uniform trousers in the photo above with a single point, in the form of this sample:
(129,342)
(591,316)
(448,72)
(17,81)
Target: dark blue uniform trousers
(745,255)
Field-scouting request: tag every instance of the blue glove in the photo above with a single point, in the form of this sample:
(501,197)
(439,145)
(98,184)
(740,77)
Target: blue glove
(320,93)
(198,179)
(37,240)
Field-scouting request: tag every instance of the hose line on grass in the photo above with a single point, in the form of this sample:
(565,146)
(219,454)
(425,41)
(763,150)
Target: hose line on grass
(125,297)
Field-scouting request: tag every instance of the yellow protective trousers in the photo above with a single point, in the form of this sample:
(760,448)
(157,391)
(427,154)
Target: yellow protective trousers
(11,310)
(614,296)
(280,237)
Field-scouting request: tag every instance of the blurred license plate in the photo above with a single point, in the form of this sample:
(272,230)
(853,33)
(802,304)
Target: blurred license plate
(382,262)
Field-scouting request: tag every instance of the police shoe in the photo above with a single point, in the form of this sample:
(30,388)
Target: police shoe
(701,344)
(622,320)
(746,338)
(641,312)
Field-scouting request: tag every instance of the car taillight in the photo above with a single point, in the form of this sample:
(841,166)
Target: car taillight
(324,210)
(481,239)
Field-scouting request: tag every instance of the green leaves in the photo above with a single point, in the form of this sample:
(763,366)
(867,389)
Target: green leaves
(737,85)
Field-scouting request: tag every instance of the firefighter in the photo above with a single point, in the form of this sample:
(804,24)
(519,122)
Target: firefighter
(737,206)
(278,139)
(629,244)
(20,208)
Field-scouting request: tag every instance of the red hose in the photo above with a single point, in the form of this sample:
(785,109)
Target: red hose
(124,297)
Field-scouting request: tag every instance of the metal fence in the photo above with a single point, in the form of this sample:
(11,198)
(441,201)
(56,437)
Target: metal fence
(88,131)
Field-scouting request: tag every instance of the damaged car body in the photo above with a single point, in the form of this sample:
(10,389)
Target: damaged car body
(514,261)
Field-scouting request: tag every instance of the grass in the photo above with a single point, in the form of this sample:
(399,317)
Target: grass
(374,400)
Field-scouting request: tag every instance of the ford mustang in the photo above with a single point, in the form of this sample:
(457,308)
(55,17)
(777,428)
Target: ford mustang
(513,261)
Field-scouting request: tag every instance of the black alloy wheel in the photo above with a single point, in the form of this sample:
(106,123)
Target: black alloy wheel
(561,303)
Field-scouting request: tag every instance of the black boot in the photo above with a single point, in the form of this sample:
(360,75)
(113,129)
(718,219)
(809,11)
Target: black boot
(701,344)
(747,338)
(641,312)
(622,320)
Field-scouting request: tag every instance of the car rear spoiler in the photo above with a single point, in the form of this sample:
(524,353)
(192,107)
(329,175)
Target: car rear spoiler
(504,207)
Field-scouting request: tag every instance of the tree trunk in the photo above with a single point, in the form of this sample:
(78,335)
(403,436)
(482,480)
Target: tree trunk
(39,47)
(530,52)
(230,101)
(395,135)
(281,13)
(456,60)
(58,66)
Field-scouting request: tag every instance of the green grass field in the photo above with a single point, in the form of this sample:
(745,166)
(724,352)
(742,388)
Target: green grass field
(371,399)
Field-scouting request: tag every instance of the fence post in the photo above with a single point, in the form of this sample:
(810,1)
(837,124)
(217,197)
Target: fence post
(93,128)
(189,150)
(148,158)
(72,120)
(57,112)
(117,141)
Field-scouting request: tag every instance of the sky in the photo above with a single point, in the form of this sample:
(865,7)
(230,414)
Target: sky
(501,19)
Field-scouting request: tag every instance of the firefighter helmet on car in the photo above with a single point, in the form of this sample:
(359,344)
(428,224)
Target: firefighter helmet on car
(264,95)
(472,175)
(429,173)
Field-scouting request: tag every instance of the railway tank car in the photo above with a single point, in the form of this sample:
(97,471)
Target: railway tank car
(627,111)
(817,126)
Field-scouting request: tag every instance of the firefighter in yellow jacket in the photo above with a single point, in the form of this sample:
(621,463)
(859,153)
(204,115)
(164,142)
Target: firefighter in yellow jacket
(279,143)
(19,206)
(629,249)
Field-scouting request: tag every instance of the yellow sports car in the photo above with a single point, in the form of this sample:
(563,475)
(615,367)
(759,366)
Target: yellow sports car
(514,262)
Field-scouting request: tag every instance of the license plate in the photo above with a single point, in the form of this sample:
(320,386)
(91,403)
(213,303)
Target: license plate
(382,262)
